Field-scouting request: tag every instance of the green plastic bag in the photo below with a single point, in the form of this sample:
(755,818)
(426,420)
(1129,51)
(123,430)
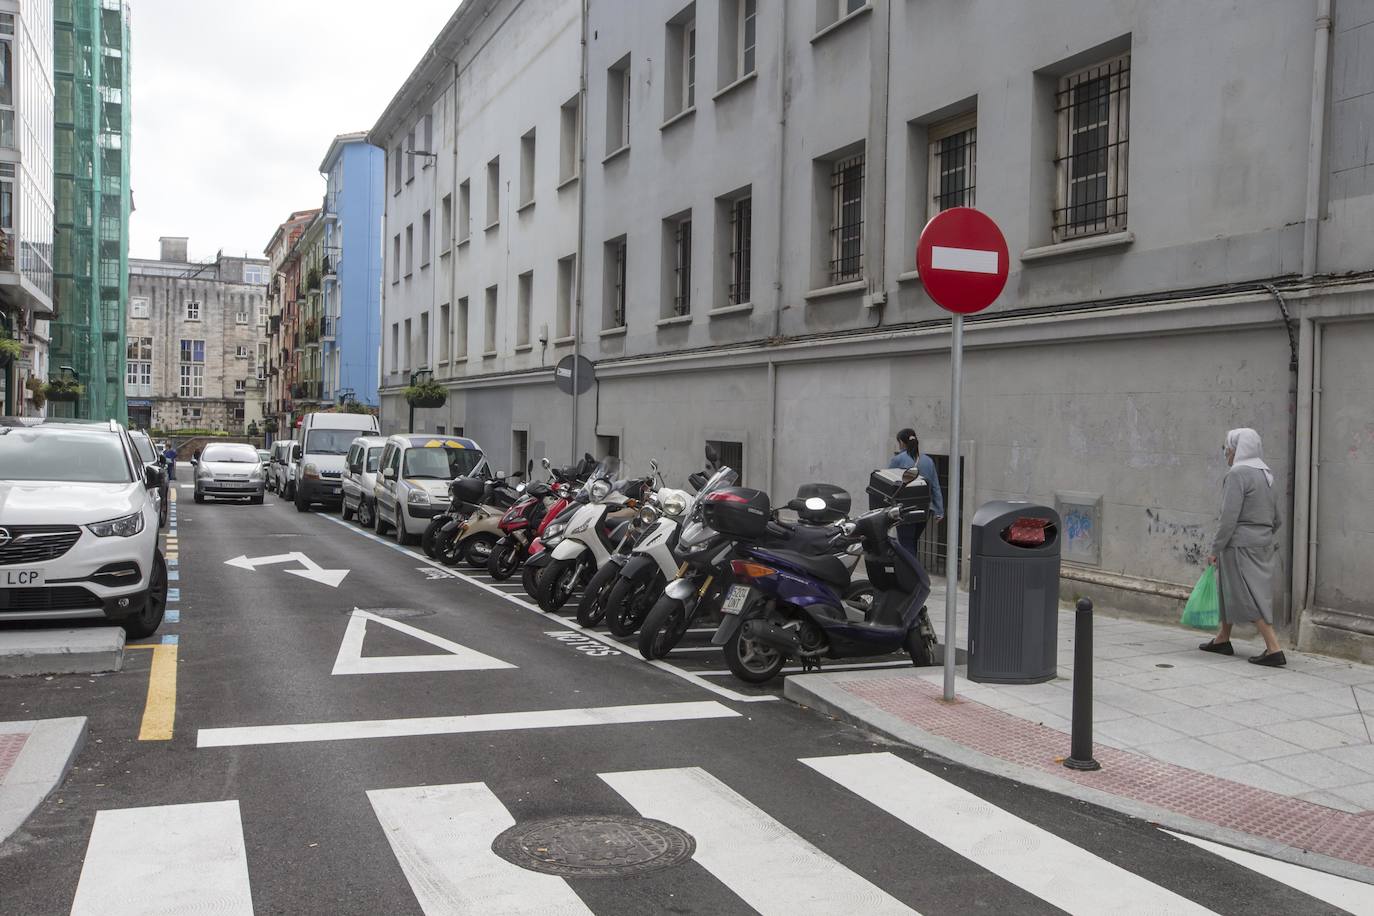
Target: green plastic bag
(1202,610)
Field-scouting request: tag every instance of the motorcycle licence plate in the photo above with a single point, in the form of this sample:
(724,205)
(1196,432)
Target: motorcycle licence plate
(734,602)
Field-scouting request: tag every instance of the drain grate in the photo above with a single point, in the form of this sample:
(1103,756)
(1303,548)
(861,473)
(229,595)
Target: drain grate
(596,846)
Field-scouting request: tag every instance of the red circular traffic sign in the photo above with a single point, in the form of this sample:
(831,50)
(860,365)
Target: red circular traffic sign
(962,259)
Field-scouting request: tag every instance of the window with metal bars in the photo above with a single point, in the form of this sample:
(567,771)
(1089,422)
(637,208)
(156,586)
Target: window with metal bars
(847,219)
(615,284)
(682,267)
(741,250)
(1093,111)
(953,163)
(731,456)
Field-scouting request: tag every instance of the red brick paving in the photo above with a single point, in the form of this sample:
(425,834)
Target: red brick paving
(1202,796)
(11,743)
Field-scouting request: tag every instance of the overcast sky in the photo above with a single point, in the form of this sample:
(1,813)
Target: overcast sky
(234,105)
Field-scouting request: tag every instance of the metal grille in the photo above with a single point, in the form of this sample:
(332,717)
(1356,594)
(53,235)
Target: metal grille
(35,543)
(1093,107)
(618,287)
(847,219)
(741,250)
(954,166)
(682,268)
(731,456)
(62,598)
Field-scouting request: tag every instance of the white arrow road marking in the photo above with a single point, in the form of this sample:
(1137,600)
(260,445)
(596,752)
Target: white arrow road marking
(351,661)
(969,260)
(313,571)
(442,837)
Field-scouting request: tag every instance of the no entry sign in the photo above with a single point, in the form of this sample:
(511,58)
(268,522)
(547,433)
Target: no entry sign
(962,259)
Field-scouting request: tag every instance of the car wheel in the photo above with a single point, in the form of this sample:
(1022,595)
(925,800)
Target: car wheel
(344,512)
(366,517)
(383,526)
(301,504)
(199,497)
(149,617)
(403,537)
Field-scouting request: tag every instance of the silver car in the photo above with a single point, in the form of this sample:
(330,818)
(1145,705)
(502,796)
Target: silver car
(229,469)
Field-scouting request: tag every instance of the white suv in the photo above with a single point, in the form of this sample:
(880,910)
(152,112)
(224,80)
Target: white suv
(78,526)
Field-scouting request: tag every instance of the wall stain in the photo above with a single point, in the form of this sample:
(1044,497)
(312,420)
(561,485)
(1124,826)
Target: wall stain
(1186,540)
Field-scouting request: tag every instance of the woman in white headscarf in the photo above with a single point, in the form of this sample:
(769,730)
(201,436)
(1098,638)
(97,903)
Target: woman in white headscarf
(1243,549)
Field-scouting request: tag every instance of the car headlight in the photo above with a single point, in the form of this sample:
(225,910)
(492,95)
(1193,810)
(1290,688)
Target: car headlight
(255,474)
(205,473)
(417,497)
(600,489)
(126,526)
(310,469)
(674,504)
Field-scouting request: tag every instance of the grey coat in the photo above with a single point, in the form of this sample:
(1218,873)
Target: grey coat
(1244,546)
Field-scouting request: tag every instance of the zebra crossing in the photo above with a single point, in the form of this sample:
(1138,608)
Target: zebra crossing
(189,857)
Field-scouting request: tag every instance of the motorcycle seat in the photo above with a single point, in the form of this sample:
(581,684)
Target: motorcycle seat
(823,566)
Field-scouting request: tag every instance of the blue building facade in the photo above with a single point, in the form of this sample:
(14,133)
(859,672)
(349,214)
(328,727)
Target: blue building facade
(354,172)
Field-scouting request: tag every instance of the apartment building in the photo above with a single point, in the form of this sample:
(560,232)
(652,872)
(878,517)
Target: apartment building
(196,346)
(284,300)
(1186,219)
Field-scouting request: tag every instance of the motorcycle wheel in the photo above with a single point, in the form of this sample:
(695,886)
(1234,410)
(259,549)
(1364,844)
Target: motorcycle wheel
(629,603)
(751,661)
(447,548)
(558,581)
(664,628)
(504,561)
(429,541)
(920,642)
(529,580)
(591,610)
(477,549)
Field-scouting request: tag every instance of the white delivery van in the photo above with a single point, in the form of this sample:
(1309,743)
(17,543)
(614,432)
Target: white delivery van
(322,442)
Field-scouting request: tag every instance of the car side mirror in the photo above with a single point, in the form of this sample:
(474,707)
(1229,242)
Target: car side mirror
(389,474)
(152,477)
(195,460)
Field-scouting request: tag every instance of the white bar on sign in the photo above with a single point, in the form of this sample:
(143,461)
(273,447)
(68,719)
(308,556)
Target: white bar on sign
(747,850)
(165,859)
(1037,861)
(969,260)
(442,835)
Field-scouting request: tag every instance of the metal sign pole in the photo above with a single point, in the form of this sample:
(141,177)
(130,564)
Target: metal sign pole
(956,370)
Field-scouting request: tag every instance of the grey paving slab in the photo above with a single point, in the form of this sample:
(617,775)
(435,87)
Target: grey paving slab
(1261,777)
(1192,753)
(1308,706)
(1331,800)
(1318,770)
(41,766)
(1355,755)
(1310,735)
(1041,717)
(1137,732)
(1192,696)
(1356,726)
(1253,713)
(1139,702)
(1362,795)
(1346,674)
(1195,722)
(1250,744)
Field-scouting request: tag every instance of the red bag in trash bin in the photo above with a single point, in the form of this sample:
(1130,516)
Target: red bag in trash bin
(1028,532)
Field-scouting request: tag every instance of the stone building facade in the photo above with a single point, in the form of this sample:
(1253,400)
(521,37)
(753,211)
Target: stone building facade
(196,341)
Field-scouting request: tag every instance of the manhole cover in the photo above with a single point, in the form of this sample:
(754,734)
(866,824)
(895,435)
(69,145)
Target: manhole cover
(394,613)
(599,846)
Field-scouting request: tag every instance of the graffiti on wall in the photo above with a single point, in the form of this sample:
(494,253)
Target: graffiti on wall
(1081,516)
(1186,540)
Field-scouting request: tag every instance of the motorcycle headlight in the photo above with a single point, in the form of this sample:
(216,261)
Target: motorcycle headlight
(674,504)
(648,514)
(600,490)
(126,526)
(417,497)
(554,531)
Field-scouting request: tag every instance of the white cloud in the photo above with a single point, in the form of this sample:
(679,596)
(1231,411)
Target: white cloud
(234,105)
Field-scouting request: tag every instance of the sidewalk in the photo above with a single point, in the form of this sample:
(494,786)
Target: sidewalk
(34,759)
(1279,761)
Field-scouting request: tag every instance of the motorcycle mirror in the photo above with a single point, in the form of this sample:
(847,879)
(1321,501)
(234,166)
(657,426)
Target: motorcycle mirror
(815,504)
(653,464)
(500,474)
(545,463)
(712,456)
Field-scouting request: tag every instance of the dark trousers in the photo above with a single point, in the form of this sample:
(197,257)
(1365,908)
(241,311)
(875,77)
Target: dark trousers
(171,472)
(908,535)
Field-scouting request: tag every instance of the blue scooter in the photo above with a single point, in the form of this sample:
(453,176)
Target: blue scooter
(787,606)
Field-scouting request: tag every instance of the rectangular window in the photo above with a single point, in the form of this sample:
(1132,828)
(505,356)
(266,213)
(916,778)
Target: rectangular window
(427,134)
(953,162)
(395,347)
(241,351)
(192,368)
(614,282)
(741,251)
(445,332)
(1093,109)
(736,56)
(138,307)
(424,339)
(410,156)
(678,235)
(489,330)
(569,147)
(396,156)
(396,258)
(524,303)
(138,377)
(494,193)
(240,386)
(567,269)
(241,316)
(446,223)
(748,36)
(464,211)
(410,249)
(408,343)
(680,77)
(425,240)
(618,106)
(192,310)
(527,169)
(519,449)
(461,332)
(731,456)
(847,219)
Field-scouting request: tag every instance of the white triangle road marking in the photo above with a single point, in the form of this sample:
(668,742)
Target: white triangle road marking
(350,659)
(747,850)
(442,837)
(1346,893)
(1051,868)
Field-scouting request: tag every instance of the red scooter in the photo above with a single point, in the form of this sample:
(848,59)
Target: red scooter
(539,504)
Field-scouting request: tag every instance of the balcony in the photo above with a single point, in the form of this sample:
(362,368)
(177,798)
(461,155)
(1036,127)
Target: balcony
(329,328)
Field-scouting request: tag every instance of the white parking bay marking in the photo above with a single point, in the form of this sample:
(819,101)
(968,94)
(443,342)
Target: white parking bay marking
(1053,869)
(442,837)
(749,851)
(350,659)
(459,725)
(161,859)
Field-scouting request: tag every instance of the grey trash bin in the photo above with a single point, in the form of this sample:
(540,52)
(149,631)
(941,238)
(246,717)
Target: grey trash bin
(1013,623)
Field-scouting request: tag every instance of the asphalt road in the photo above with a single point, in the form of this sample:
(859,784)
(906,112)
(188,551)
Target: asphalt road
(525,719)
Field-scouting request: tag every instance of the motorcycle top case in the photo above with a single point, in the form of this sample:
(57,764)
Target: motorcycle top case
(738,512)
(837,503)
(886,488)
(467,490)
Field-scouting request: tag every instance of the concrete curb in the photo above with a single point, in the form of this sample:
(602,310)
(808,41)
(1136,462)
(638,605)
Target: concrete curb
(88,650)
(48,753)
(819,692)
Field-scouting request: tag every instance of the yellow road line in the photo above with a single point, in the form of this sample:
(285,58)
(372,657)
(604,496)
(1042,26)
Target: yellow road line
(159,712)
(172,494)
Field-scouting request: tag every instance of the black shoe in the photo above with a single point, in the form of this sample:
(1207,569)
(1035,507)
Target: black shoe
(1269,659)
(1220,648)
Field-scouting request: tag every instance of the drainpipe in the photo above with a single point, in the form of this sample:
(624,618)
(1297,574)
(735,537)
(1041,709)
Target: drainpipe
(772,422)
(782,171)
(1297,475)
(1311,589)
(1315,136)
(453,258)
(875,151)
(581,231)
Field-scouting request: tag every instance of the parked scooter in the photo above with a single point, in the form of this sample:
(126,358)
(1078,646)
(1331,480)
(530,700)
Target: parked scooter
(786,605)
(539,504)
(472,526)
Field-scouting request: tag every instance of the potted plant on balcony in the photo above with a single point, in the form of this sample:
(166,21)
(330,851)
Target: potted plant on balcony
(63,389)
(10,349)
(426,394)
(36,392)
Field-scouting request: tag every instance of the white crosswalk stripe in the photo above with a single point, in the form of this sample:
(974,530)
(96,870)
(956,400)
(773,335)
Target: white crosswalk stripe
(161,859)
(442,835)
(1052,868)
(755,855)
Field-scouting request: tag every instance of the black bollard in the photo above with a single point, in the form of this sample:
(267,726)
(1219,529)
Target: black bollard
(1081,742)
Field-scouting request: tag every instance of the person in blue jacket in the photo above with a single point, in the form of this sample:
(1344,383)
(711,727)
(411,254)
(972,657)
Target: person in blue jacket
(910,457)
(169,456)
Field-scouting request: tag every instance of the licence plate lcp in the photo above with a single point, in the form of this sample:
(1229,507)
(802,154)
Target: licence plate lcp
(21,578)
(734,602)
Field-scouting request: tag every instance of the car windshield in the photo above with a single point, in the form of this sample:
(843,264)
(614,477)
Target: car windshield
(144,448)
(374,455)
(264,455)
(332,441)
(230,453)
(440,463)
(62,455)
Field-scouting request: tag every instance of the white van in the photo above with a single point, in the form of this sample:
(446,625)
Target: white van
(323,440)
